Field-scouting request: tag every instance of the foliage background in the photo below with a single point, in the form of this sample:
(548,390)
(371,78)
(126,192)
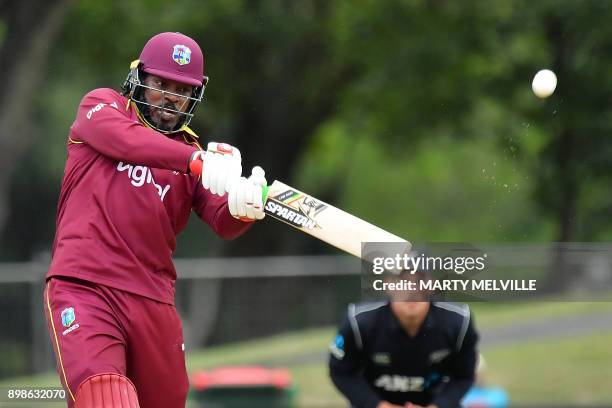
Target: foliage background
(416,115)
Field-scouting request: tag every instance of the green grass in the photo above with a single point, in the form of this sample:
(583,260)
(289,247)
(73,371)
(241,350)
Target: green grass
(567,371)
(488,314)
(314,387)
(574,370)
(269,350)
(285,347)
(40,380)
(510,366)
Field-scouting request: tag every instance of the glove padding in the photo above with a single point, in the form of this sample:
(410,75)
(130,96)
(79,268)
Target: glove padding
(222,167)
(245,199)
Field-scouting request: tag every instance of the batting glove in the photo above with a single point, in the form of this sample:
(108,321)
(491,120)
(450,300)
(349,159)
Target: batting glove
(221,165)
(245,199)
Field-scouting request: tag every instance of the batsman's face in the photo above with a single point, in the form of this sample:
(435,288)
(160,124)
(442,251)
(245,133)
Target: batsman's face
(168,94)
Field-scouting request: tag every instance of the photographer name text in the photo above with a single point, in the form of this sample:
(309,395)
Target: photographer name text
(484,285)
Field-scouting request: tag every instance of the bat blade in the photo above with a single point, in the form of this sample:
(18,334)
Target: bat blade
(322,220)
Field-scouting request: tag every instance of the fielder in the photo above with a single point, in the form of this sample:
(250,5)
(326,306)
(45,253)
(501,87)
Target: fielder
(134,173)
(405,354)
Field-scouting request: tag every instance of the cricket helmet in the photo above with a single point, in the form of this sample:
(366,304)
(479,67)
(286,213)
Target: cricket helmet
(172,56)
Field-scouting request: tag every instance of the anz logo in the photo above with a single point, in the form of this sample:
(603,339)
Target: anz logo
(400,383)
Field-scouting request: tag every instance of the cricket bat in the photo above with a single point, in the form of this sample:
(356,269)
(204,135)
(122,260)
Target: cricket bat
(321,220)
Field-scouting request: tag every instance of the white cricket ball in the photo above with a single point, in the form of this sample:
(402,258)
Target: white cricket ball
(544,83)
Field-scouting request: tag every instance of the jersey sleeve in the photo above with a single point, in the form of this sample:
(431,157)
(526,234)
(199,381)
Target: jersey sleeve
(103,123)
(346,365)
(214,211)
(462,367)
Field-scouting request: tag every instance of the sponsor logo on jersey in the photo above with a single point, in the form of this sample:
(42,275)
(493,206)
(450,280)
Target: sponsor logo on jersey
(438,355)
(381,358)
(337,347)
(181,54)
(400,383)
(98,108)
(95,109)
(141,175)
(293,216)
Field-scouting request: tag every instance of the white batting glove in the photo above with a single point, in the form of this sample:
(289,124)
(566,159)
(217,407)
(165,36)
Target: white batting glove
(258,176)
(245,199)
(222,167)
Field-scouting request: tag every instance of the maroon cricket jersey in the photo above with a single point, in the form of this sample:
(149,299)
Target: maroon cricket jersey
(124,198)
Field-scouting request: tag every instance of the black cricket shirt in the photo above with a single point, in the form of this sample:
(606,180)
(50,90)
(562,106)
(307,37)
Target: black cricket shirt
(373,358)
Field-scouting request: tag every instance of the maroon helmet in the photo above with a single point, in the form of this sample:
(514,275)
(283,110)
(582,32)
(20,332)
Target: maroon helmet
(172,56)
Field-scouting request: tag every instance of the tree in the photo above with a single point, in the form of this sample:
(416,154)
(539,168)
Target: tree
(429,70)
(30,27)
(272,82)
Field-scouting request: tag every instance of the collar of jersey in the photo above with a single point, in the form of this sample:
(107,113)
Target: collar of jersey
(183,128)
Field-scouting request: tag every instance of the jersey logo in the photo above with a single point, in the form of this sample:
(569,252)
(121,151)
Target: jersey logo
(400,383)
(438,355)
(95,109)
(139,175)
(98,108)
(337,347)
(381,358)
(68,317)
(181,54)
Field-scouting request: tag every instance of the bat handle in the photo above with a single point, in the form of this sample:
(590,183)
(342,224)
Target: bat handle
(259,172)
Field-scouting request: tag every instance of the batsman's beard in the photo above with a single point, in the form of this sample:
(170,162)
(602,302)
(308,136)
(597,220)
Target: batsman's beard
(162,124)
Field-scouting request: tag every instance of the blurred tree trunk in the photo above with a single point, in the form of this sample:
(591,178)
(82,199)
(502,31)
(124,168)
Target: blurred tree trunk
(31,28)
(562,154)
(280,114)
(286,128)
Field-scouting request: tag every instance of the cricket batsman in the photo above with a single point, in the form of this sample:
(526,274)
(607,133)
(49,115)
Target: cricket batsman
(134,173)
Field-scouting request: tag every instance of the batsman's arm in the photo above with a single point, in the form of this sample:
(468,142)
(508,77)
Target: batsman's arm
(103,123)
(214,211)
